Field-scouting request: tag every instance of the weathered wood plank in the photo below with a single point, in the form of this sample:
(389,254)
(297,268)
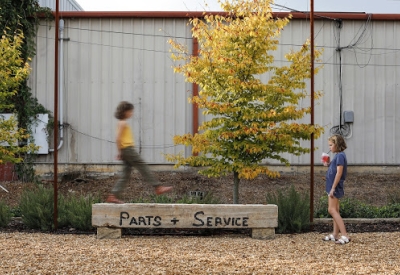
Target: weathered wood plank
(145,215)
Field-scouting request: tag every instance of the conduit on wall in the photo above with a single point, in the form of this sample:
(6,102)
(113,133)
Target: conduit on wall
(60,86)
(312,111)
(55,186)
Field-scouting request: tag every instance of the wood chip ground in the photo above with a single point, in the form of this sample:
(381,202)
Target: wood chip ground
(41,253)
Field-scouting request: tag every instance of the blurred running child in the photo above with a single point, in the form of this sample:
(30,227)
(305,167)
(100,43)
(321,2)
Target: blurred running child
(129,156)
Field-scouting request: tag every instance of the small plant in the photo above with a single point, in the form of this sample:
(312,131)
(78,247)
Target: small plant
(207,199)
(160,199)
(394,197)
(154,199)
(37,208)
(78,211)
(5,214)
(293,210)
(141,200)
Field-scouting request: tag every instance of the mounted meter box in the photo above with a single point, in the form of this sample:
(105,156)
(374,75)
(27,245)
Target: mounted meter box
(39,133)
(348,116)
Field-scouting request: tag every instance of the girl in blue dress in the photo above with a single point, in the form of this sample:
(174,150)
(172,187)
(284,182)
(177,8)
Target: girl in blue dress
(335,177)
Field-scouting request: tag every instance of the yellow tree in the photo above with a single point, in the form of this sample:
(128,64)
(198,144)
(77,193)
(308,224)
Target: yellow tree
(250,120)
(13,71)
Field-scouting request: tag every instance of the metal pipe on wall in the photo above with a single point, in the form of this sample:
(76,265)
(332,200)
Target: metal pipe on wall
(312,112)
(55,187)
(60,86)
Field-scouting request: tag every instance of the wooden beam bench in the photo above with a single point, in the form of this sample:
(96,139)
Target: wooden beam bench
(111,218)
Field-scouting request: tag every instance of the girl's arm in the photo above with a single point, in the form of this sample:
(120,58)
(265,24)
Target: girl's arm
(338,176)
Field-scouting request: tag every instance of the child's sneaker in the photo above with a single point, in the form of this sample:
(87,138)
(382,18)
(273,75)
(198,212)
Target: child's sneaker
(113,199)
(163,189)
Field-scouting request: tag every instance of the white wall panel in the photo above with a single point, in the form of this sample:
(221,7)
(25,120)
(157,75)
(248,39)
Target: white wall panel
(370,86)
(109,60)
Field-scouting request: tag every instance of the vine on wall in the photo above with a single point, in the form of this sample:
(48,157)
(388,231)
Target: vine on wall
(24,15)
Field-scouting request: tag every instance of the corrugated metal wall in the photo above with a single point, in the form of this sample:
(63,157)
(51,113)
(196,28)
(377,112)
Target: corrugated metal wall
(370,88)
(109,60)
(106,61)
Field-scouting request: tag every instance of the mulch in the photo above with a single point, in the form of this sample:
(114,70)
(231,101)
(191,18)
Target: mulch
(44,253)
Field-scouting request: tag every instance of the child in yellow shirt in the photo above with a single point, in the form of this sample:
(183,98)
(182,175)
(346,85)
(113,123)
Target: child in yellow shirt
(129,156)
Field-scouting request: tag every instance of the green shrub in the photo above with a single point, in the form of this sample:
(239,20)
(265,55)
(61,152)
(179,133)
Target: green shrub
(37,208)
(349,208)
(321,208)
(389,211)
(353,208)
(15,212)
(5,214)
(78,211)
(207,199)
(293,210)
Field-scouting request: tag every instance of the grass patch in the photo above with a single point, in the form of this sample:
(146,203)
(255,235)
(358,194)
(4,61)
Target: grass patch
(5,214)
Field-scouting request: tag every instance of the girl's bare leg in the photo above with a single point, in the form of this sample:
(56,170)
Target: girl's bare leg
(338,224)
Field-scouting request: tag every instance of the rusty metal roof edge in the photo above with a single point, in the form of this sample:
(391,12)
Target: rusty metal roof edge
(194,14)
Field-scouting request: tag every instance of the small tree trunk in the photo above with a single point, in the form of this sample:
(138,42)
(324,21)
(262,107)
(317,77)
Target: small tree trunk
(236,181)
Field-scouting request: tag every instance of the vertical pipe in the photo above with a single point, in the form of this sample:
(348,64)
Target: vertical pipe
(61,84)
(60,87)
(312,113)
(55,187)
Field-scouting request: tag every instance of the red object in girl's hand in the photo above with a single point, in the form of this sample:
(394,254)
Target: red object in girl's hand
(325,158)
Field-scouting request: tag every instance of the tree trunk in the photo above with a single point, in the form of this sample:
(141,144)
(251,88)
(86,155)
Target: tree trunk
(236,181)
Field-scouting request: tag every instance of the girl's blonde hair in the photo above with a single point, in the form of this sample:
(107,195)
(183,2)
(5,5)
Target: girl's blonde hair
(339,142)
(122,108)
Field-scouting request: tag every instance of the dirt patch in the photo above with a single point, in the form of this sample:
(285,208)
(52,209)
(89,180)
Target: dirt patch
(376,189)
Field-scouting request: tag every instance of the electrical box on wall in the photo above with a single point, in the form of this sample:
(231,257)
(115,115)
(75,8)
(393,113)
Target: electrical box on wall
(348,116)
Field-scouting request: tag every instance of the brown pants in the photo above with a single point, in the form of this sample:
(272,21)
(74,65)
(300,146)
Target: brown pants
(132,159)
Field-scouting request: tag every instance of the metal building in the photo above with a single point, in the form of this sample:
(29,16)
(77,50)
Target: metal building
(114,56)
